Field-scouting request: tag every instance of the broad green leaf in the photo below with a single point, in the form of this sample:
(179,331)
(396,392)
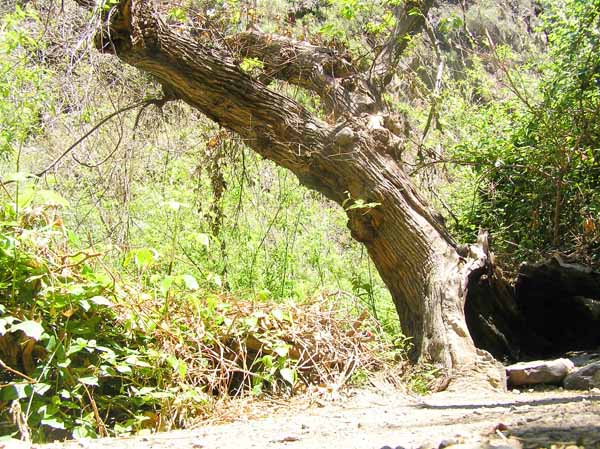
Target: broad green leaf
(101,301)
(30,328)
(282,350)
(50,197)
(133,360)
(203,239)
(41,388)
(90,380)
(124,369)
(190,282)
(216,279)
(143,257)
(288,374)
(165,285)
(54,423)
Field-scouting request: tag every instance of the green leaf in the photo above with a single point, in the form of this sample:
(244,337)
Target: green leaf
(133,360)
(165,285)
(143,257)
(85,305)
(101,301)
(30,328)
(203,239)
(289,375)
(175,205)
(123,369)
(215,279)
(54,423)
(50,197)
(41,388)
(282,350)
(190,282)
(251,65)
(90,380)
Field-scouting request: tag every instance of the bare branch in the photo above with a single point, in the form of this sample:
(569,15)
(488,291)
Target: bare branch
(98,125)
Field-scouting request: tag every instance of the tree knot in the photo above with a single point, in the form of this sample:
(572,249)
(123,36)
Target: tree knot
(364,225)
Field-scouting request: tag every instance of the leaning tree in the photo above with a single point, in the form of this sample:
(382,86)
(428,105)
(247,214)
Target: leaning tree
(351,158)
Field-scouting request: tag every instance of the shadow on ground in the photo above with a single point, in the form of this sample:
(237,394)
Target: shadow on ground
(521,403)
(537,436)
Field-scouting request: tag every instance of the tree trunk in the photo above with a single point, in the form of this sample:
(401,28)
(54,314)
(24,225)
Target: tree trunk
(351,162)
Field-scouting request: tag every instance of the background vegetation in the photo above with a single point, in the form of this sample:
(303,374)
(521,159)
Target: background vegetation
(158,266)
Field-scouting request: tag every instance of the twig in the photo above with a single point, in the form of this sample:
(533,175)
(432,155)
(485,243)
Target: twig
(18,373)
(101,426)
(156,101)
(86,135)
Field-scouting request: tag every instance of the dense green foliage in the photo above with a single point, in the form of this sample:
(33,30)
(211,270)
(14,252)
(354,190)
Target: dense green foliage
(532,148)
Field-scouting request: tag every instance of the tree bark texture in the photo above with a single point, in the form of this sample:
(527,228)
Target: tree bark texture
(352,161)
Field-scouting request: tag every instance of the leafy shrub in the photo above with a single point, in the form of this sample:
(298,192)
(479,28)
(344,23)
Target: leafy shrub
(532,155)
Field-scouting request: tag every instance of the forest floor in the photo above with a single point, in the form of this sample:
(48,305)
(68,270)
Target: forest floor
(372,418)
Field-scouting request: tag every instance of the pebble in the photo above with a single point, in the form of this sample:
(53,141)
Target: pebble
(448,442)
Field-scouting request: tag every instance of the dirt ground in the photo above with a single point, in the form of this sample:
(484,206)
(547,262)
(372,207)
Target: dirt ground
(378,417)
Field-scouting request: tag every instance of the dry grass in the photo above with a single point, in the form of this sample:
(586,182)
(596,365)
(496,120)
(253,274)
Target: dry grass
(231,346)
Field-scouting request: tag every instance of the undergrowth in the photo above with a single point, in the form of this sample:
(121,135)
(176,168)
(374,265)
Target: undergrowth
(86,353)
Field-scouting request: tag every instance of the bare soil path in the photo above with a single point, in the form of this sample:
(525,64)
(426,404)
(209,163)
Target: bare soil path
(369,419)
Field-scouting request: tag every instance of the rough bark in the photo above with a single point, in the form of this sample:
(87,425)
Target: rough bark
(351,162)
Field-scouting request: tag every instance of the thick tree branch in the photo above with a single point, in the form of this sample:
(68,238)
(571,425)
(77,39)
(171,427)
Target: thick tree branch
(323,70)
(210,80)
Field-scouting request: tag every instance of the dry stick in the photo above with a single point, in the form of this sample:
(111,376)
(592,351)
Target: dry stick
(98,125)
(101,426)
(18,373)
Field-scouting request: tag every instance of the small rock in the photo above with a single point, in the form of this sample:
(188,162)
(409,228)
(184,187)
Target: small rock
(539,372)
(447,442)
(501,427)
(584,378)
